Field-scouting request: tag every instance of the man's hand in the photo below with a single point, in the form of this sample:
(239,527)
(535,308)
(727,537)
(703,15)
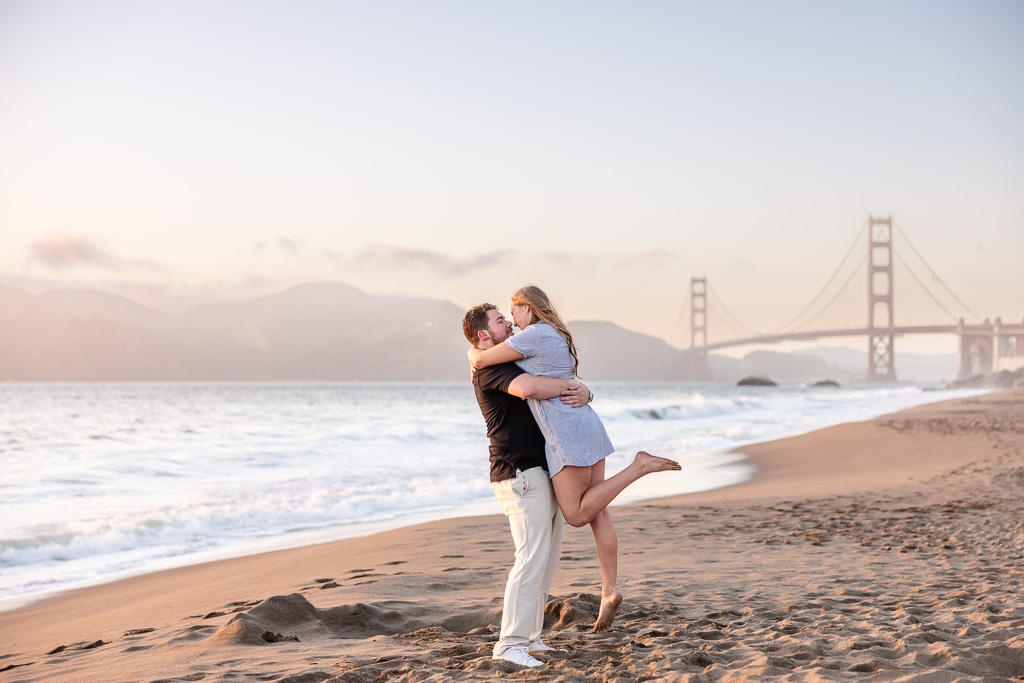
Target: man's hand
(577,396)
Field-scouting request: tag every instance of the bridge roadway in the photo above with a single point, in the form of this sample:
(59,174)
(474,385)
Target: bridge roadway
(1015,328)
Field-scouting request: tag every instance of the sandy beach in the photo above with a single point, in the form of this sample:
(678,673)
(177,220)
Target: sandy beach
(886,550)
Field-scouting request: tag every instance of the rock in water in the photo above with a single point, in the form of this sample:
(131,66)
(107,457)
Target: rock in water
(756,382)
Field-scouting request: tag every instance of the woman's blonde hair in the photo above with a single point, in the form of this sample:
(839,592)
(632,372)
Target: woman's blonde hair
(542,310)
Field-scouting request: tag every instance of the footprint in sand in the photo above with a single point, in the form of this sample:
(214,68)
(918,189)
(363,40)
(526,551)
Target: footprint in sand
(239,606)
(78,646)
(138,631)
(14,666)
(193,633)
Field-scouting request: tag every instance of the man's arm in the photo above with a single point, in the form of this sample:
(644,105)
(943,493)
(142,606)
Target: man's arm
(572,391)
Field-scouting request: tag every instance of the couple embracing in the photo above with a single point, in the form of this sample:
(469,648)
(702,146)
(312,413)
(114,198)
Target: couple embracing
(547,459)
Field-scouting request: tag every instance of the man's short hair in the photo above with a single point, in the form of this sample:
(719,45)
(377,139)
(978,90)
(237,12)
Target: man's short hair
(476,320)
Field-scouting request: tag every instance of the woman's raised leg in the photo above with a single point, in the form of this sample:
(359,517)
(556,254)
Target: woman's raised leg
(581,499)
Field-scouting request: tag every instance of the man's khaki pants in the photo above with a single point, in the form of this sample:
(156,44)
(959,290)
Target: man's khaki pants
(528,501)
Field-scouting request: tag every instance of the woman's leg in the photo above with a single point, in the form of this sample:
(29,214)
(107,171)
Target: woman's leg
(581,499)
(608,552)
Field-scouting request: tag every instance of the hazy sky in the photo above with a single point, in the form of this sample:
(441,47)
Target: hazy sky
(180,152)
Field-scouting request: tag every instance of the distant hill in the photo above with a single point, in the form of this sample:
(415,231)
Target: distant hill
(610,352)
(313,332)
(326,331)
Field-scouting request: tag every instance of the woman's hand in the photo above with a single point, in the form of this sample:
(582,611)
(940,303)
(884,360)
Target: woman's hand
(474,354)
(576,396)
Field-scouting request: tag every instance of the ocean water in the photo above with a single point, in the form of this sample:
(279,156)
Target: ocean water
(102,481)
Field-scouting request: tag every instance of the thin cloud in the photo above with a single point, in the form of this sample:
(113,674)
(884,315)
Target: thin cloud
(653,258)
(285,244)
(389,257)
(386,257)
(288,245)
(61,250)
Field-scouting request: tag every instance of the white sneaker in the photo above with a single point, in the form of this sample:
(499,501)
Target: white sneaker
(517,655)
(540,646)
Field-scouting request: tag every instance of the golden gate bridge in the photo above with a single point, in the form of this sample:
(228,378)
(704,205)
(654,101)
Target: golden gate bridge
(984,346)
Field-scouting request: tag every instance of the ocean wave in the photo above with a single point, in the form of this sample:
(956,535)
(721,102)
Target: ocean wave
(695,406)
(281,509)
(786,399)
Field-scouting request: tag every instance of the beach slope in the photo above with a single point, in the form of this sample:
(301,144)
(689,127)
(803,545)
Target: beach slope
(887,550)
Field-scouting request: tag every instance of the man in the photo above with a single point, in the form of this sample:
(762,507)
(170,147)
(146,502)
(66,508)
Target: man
(520,481)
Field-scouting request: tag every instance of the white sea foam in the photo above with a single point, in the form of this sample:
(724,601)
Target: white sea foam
(105,480)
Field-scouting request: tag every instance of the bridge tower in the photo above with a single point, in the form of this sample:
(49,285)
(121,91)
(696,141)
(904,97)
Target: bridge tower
(881,359)
(978,349)
(699,328)
(990,347)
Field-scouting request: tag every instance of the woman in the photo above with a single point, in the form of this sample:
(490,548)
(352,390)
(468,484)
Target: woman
(576,441)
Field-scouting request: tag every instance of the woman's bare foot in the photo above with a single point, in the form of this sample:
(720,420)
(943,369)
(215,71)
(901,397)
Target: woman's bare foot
(609,606)
(652,463)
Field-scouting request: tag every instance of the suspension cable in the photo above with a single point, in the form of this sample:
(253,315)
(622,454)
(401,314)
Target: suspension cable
(839,291)
(737,324)
(934,274)
(682,312)
(821,291)
(727,325)
(918,280)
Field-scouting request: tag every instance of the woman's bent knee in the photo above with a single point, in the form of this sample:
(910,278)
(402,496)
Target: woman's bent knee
(576,519)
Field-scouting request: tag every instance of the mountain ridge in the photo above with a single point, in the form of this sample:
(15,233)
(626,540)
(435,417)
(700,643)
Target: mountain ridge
(320,331)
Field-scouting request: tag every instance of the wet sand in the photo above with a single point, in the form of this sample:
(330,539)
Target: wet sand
(887,550)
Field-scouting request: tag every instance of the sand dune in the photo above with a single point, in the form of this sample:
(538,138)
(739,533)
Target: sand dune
(891,550)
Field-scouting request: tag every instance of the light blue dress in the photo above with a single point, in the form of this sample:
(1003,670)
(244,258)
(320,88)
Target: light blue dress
(573,436)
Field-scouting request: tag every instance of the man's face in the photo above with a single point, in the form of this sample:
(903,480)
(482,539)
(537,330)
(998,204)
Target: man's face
(499,328)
